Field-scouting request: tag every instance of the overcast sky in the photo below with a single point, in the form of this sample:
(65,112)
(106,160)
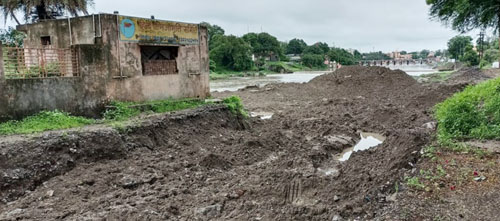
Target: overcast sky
(367,25)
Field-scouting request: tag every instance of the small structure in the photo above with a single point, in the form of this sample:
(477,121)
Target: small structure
(80,64)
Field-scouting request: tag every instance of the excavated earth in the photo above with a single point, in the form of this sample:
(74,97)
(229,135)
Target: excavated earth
(208,164)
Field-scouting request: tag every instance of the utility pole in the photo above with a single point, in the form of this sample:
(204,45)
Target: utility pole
(481,44)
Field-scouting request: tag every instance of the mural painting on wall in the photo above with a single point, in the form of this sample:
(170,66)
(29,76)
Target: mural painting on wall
(159,32)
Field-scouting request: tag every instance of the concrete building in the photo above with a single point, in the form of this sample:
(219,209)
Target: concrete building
(100,58)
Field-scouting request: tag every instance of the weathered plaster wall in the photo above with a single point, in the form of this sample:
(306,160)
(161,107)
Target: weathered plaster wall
(84,95)
(82,32)
(129,84)
(110,70)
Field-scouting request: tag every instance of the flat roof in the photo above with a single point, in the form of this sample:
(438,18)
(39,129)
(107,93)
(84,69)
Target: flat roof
(85,16)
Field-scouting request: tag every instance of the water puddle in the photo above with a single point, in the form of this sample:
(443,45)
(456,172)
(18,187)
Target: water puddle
(262,115)
(368,140)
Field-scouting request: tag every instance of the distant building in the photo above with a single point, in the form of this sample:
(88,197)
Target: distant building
(294,57)
(398,56)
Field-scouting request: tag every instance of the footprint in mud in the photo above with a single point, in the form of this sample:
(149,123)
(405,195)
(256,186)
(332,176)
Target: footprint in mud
(213,161)
(292,192)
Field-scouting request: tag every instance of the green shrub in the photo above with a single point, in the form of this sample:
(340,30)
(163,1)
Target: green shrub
(44,121)
(313,60)
(235,106)
(473,113)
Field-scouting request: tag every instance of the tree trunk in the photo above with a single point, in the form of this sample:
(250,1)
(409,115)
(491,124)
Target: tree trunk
(41,11)
(15,19)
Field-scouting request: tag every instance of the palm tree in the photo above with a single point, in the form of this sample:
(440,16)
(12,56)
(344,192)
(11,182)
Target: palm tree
(43,9)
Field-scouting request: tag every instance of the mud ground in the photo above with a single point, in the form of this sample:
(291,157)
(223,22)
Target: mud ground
(208,164)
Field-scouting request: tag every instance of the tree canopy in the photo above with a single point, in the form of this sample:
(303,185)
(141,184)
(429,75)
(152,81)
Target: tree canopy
(232,53)
(466,15)
(296,46)
(43,9)
(213,30)
(263,44)
(457,46)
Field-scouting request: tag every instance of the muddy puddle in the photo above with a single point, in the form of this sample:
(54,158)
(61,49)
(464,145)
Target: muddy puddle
(368,140)
(236,83)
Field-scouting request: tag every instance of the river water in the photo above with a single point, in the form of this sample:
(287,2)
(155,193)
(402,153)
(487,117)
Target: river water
(236,83)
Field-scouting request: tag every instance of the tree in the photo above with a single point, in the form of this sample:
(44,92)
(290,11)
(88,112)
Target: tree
(263,44)
(232,52)
(323,46)
(314,49)
(213,30)
(457,46)
(466,15)
(424,54)
(313,60)
(296,46)
(357,55)
(342,56)
(43,9)
(470,57)
(12,37)
(376,56)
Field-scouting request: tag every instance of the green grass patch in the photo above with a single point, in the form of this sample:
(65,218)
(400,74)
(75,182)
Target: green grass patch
(414,182)
(121,111)
(437,77)
(44,121)
(115,116)
(471,114)
(235,106)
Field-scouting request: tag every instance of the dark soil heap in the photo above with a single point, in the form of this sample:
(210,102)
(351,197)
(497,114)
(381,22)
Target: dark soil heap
(354,81)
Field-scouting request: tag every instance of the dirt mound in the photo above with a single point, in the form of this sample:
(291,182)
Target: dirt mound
(211,165)
(27,163)
(356,80)
(468,75)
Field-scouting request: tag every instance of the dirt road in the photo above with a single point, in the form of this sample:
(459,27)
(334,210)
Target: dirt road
(210,165)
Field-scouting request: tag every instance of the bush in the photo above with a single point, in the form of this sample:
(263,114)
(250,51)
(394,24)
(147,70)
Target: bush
(213,65)
(313,60)
(473,113)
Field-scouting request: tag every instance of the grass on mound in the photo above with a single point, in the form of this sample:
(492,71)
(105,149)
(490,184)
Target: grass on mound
(44,121)
(471,114)
(235,106)
(121,111)
(437,77)
(118,113)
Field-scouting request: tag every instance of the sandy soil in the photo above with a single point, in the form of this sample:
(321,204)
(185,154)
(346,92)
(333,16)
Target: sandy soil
(208,164)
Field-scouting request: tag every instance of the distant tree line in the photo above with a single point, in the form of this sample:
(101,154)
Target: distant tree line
(235,53)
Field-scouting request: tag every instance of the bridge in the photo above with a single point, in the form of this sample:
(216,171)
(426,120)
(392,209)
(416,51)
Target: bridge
(398,62)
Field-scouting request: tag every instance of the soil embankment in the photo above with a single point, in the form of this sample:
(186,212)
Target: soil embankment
(210,165)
